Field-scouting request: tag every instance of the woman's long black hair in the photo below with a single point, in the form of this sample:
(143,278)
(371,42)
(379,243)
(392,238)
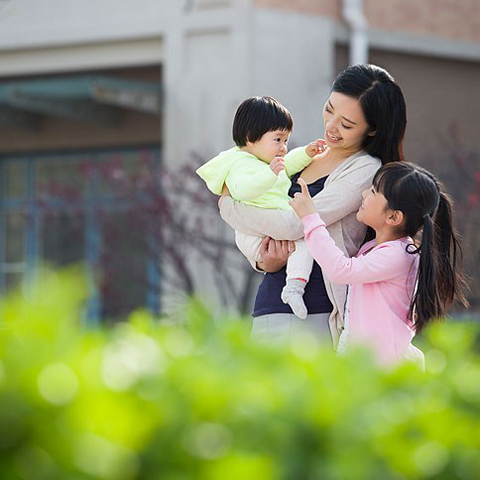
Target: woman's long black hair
(383,106)
(427,208)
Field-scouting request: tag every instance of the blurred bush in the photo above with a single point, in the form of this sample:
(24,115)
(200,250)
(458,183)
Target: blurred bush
(194,398)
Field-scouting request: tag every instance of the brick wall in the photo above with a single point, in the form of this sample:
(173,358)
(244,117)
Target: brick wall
(330,8)
(455,19)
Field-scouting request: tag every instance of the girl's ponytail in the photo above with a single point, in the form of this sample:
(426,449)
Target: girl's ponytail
(439,279)
(418,194)
(426,301)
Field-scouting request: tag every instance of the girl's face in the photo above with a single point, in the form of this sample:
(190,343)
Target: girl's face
(345,124)
(374,209)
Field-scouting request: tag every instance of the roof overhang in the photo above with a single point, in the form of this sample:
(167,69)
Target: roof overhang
(93,99)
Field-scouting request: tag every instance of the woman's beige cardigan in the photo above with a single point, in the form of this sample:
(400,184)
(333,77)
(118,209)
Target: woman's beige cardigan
(337,204)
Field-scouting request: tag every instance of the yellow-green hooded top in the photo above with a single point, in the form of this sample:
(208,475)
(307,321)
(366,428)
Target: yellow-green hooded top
(250,180)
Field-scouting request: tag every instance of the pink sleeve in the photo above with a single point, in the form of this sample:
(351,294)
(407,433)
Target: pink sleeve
(383,263)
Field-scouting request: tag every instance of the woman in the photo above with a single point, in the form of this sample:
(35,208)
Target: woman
(364,119)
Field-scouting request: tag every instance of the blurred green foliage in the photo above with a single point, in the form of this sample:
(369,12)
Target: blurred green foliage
(194,397)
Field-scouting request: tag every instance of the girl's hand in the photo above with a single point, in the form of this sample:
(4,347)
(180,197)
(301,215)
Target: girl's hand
(316,147)
(302,203)
(277,165)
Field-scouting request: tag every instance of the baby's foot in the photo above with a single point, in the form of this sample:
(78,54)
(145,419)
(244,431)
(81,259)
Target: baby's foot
(292,294)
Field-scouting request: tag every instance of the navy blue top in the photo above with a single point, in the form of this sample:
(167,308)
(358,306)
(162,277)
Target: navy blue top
(268,299)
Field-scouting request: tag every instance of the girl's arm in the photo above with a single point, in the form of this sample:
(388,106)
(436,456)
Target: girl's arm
(383,263)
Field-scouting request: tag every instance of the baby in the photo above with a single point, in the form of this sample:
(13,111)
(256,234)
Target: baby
(257,172)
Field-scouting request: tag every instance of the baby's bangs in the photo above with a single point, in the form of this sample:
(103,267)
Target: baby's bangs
(280,120)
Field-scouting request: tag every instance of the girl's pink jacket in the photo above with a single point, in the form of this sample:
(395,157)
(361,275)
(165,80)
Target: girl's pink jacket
(382,280)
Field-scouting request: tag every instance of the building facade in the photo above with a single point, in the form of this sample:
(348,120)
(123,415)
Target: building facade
(92,89)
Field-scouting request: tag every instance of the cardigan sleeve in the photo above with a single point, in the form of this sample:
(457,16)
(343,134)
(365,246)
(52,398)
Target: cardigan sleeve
(344,196)
(383,263)
(260,222)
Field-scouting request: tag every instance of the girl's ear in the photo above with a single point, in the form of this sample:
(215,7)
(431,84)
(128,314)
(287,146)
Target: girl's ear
(394,218)
(372,134)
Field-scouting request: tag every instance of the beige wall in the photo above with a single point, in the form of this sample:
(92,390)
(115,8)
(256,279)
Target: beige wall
(454,19)
(55,133)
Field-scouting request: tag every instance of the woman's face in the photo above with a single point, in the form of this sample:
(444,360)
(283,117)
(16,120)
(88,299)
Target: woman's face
(344,122)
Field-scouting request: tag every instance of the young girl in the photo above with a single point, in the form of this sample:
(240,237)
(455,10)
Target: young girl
(396,287)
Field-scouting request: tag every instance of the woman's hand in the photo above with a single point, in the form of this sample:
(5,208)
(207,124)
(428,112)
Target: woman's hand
(302,202)
(274,254)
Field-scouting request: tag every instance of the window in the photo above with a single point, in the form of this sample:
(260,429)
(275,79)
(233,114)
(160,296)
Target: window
(83,207)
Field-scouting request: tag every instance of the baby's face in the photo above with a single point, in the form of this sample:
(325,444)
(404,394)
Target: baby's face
(272,144)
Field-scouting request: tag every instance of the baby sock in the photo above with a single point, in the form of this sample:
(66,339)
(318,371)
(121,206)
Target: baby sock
(292,294)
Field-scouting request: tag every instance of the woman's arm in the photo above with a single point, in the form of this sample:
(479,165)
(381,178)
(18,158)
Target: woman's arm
(278,224)
(274,253)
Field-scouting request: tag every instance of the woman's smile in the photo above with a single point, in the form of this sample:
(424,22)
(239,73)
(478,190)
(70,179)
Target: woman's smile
(333,138)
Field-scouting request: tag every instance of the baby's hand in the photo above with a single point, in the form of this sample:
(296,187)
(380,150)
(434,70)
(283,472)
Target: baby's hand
(316,147)
(277,165)
(302,203)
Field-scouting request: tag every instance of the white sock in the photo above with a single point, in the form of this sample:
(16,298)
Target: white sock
(292,294)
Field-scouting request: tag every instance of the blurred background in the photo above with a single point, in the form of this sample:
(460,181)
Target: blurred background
(108,106)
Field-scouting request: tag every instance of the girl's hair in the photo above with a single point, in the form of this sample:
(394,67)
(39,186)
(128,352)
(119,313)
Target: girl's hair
(383,106)
(258,115)
(420,197)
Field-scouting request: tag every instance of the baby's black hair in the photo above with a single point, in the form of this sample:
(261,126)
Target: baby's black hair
(258,115)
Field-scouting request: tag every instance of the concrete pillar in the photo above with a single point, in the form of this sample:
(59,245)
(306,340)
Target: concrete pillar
(221,51)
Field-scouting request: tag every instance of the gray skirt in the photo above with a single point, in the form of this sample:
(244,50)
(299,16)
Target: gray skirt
(280,327)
